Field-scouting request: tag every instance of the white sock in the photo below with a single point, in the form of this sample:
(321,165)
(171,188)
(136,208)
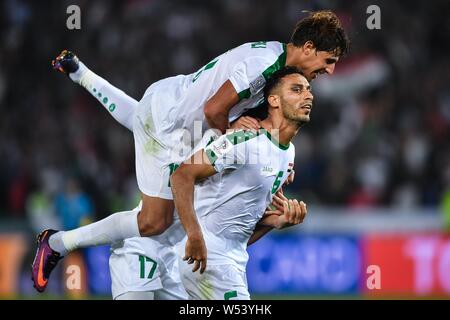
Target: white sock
(120,105)
(116,227)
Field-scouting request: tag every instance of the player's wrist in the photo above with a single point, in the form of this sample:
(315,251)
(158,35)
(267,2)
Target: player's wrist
(195,234)
(282,223)
(78,75)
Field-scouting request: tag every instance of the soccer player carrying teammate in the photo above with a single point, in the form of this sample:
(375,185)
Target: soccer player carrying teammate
(212,97)
(233,186)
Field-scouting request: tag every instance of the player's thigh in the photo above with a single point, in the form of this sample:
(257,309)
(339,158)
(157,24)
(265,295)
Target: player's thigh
(153,166)
(152,153)
(153,176)
(224,282)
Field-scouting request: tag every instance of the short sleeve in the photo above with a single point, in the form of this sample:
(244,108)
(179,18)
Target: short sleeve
(247,75)
(224,154)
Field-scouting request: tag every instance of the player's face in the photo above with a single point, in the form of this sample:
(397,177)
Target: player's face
(296,98)
(319,62)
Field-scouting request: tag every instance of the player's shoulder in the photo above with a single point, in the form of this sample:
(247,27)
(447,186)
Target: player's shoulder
(231,139)
(225,146)
(274,140)
(238,136)
(262,49)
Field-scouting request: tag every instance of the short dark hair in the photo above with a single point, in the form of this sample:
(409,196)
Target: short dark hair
(261,112)
(275,79)
(324,30)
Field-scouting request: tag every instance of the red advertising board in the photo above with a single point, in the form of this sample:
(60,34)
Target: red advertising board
(409,264)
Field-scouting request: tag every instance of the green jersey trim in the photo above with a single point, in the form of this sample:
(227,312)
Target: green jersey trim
(238,137)
(277,65)
(274,141)
(245,94)
(281,62)
(241,136)
(234,138)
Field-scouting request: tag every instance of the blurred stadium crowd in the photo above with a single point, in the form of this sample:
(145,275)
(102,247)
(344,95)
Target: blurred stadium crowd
(380,130)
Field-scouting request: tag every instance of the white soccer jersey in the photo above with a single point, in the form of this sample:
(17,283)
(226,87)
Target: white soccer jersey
(181,106)
(251,168)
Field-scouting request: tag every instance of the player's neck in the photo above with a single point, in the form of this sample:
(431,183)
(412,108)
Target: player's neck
(292,55)
(282,131)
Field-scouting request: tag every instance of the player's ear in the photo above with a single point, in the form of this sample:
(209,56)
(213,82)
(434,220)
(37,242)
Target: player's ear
(308,47)
(274,100)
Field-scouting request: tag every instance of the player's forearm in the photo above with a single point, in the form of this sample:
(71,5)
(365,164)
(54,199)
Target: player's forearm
(218,106)
(183,195)
(272,220)
(258,233)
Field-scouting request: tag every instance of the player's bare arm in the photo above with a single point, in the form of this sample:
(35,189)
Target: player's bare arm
(182,182)
(259,232)
(217,108)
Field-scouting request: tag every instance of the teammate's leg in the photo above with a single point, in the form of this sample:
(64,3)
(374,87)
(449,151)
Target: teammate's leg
(115,101)
(116,227)
(119,226)
(156,215)
(154,218)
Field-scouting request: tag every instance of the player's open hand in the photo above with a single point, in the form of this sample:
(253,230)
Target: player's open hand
(290,212)
(294,213)
(195,251)
(246,123)
(277,204)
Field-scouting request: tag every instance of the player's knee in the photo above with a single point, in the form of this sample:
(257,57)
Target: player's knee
(153,224)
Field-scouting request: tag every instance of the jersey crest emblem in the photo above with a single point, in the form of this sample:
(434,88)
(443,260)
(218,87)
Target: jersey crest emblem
(257,84)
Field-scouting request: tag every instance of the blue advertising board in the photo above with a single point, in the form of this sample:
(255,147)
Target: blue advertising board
(304,264)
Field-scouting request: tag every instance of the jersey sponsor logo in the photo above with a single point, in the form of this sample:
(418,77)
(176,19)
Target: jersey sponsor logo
(257,85)
(267,171)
